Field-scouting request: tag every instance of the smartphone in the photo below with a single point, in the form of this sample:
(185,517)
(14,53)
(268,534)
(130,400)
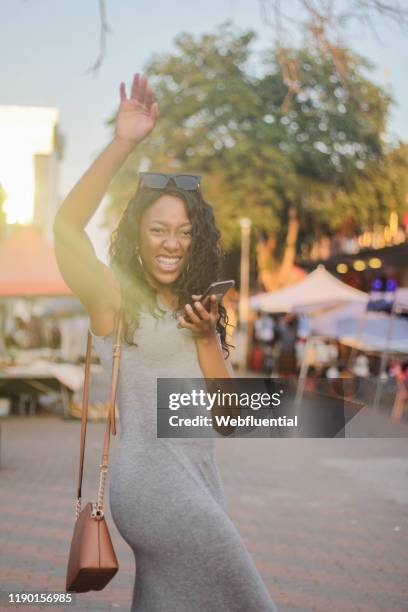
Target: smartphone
(219,289)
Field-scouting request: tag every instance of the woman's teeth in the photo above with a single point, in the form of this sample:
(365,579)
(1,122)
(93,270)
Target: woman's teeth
(168,262)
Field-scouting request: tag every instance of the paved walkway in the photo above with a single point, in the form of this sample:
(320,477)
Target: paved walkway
(325,520)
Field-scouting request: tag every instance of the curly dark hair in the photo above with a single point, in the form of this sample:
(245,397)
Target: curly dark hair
(204,264)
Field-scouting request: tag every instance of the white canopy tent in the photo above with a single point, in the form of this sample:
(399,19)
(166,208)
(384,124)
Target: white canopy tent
(340,312)
(317,290)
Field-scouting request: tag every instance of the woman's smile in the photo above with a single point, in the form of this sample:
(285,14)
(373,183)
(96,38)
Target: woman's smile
(168,264)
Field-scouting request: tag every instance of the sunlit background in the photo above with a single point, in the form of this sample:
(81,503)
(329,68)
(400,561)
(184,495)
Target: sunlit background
(28,168)
(45,68)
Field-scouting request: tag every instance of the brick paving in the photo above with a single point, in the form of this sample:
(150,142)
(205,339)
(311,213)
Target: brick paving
(325,520)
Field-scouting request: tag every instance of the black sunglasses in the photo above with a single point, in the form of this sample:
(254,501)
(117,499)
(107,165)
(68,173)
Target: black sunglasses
(160,180)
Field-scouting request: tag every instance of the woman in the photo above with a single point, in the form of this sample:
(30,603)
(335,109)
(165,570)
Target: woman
(166,495)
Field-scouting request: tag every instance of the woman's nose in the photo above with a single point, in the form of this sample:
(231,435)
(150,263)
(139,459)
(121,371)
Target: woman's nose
(171,243)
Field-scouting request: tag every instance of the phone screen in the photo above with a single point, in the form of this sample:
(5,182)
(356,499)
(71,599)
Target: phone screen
(219,289)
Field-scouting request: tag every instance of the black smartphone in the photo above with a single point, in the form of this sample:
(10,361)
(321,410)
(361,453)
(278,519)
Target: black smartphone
(219,289)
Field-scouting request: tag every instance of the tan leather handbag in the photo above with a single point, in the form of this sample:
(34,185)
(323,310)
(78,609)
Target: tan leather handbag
(92,560)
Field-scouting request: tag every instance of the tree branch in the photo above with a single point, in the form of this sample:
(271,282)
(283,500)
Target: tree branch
(104,31)
(326,26)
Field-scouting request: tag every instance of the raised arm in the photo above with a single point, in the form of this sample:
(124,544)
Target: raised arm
(90,279)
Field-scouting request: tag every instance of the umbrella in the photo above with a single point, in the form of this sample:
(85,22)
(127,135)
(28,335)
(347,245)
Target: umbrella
(369,331)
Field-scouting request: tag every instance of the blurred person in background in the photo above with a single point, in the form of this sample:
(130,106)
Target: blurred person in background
(287,333)
(401,397)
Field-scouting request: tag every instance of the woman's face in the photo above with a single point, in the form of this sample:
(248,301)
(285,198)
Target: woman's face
(165,239)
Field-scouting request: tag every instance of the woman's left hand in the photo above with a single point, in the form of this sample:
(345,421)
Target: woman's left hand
(202,323)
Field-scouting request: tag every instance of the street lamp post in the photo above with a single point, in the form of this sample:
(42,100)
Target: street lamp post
(243,312)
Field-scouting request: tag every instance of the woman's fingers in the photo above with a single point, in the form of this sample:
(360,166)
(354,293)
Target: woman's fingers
(203,312)
(122,91)
(194,318)
(135,86)
(141,93)
(201,322)
(142,90)
(184,323)
(139,87)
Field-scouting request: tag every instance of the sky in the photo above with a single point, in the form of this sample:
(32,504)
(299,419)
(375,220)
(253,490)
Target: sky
(47,46)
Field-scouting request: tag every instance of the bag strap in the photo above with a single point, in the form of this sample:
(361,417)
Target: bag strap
(110,421)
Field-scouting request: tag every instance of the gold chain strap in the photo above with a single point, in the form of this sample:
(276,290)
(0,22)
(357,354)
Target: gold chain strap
(78,508)
(101,488)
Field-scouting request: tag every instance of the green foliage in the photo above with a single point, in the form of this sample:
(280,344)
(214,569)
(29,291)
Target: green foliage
(264,143)
(334,122)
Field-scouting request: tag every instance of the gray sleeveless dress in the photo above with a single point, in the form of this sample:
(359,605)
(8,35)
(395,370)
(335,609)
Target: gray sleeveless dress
(166,495)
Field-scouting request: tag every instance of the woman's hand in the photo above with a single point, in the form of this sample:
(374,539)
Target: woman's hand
(137,115)
(202,323)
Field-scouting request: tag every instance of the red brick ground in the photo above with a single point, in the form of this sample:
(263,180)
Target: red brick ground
(325,520)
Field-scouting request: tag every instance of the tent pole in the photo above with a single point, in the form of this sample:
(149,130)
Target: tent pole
(304,368)
(383,363)
(354,349)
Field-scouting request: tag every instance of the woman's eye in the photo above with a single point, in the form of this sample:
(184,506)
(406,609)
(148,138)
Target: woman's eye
(187,233)
(156,230)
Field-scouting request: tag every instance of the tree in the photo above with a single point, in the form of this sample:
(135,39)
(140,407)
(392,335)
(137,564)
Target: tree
(331,129)
(298,165)
(206,92)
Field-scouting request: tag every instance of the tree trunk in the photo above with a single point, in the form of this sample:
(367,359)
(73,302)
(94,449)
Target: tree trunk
(266,262)
(289,254)
(272,274)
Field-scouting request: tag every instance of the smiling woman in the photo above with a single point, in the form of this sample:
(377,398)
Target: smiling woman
(164,253)
(172,257)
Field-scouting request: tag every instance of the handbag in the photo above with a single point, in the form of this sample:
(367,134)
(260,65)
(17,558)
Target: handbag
(92,561)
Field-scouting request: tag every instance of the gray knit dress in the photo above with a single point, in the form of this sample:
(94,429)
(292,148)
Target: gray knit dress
(166,495)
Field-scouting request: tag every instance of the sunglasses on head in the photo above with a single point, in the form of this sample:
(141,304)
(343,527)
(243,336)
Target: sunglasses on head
(160,180)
